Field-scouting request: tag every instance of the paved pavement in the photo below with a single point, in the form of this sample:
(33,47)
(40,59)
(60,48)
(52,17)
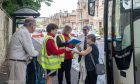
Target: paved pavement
(100,43)
(4,73)
(74,70)
(74,78)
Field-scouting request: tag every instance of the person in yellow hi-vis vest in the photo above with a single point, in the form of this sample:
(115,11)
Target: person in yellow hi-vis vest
(66,58)
(50,59)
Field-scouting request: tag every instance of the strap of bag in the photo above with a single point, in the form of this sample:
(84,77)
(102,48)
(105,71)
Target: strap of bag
(35,66)
(92,59)
(34,61)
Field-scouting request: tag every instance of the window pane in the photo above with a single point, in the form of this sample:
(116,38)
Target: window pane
(122,26)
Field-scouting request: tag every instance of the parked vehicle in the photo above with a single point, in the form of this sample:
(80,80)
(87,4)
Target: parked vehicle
(98,37)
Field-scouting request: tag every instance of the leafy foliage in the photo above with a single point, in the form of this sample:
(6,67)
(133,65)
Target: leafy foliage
(12,5)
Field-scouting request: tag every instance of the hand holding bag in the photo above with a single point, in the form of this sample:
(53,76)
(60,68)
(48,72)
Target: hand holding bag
(100,68)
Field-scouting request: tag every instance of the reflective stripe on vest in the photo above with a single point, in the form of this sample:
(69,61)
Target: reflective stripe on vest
(62,38)
(51,62)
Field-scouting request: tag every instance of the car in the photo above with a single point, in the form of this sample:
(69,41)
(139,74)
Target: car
(98,37)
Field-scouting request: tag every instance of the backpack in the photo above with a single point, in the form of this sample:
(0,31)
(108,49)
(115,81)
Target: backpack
(35,74)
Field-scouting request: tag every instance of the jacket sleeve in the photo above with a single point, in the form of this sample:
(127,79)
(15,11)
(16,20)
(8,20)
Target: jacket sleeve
(27,44)
(60,43)
(52,48)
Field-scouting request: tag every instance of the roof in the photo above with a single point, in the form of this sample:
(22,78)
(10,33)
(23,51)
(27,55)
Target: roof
(26,12)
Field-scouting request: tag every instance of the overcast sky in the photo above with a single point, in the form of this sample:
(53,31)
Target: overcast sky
(56,6)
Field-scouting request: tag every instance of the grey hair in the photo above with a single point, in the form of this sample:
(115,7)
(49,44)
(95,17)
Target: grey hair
(67,28)
(29,22)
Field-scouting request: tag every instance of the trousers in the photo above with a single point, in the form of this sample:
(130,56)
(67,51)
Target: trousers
(17,72)
(91,77)
(65,67)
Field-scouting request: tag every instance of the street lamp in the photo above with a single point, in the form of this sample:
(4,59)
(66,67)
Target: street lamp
(97,4)
(81,17)
(66,15)
(60,16)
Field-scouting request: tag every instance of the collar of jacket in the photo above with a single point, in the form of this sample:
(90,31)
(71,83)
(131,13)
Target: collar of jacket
(65,34)
(51,34)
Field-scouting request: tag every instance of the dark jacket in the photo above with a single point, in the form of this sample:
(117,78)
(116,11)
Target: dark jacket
(88,62)
(68,54)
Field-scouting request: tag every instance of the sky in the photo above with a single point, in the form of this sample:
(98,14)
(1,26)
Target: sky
(56,6)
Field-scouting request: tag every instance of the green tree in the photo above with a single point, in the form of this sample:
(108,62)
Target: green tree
(12,5)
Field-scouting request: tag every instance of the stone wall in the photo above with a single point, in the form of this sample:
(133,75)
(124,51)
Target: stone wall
(5,34)
(1,1)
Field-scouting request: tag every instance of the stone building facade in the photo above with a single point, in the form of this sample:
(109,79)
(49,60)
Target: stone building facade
(80,17)
(96,21)
(63,18)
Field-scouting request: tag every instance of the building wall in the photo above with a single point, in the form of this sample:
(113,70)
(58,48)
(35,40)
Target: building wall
(99,13)
(93,21)
(5,34)
(80,17)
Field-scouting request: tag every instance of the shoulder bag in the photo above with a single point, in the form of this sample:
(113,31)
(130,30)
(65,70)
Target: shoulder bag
(100,68)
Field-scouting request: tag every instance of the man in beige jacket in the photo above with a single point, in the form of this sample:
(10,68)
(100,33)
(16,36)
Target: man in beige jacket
(20,49)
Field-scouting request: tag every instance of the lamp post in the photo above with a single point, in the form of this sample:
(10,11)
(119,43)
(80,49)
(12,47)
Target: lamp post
(60,16)
(80,10)
(81,18)
(97,4)
(65,17)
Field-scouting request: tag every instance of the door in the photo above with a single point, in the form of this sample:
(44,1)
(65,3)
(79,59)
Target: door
(136,26)
(123,64)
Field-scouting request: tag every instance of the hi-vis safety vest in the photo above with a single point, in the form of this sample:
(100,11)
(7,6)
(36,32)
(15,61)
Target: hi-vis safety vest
(62,38)
(51,62)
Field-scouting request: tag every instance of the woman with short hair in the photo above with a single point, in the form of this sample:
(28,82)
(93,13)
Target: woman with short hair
(66,58)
